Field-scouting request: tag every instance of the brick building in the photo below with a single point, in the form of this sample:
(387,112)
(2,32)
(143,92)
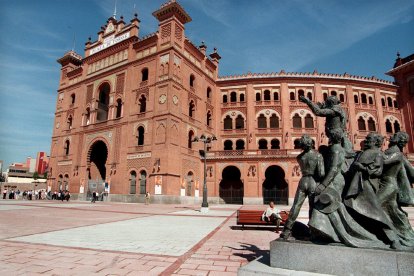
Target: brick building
(128,111)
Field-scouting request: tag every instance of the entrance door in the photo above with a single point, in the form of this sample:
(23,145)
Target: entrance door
(98,155)
(275,186)
(231,189)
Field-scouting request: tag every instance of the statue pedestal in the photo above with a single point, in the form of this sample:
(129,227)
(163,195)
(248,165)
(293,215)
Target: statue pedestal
(291,258)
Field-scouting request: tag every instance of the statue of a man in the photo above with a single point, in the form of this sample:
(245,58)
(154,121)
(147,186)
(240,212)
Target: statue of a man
(313,170)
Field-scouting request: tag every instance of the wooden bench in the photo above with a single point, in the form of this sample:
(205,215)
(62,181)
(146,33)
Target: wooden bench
(254,217)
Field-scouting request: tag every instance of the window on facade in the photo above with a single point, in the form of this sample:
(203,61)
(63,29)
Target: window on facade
(141,133)
(192,80)
(371,125)
(241,97)
(275,96)
(389,101)
(363,98)
(191,109)
(144,74)
(228,145)
(275,144)
(208,92)
(333,93)
(67,147)
(88,116)
(133,182)
(301,93)
(266,95)
(262,144)
(297,121)
(325,96)
(292,96)
(308,121)
(388,126)
(72,97)
(208,119)
(118,108)
(70,121)
(142,104)
(309,95)
(361,124)
(224,98)
(258,97)
(233,97)
(341,98)
(296,144)
(395,104)
(261,121)
(142,182)
(396,126)
(240,144)
(228,122)
(274,121)
(383,102)
(190,139)
(103,103)
(370,100)
(239,122)
(356,99)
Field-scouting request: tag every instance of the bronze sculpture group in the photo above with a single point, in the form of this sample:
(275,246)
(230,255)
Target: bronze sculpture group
(355,198)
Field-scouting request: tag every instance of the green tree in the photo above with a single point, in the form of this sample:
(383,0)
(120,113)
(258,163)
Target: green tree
(35,175)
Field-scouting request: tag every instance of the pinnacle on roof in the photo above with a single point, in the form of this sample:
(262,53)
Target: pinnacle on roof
(170,9)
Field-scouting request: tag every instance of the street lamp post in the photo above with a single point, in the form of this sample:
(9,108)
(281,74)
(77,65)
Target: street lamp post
(205,140)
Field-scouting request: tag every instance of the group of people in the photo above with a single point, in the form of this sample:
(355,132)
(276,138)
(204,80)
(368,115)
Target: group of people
(354,198)
(25,195)
(61,195)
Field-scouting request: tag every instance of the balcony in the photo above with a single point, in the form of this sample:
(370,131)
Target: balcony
(252,154)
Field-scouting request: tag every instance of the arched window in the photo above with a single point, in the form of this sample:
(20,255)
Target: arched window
(396,127)
(325,96)
(191,109)
(240,144)
(370,100)
(361,124)
(72,97)
(261,121)
(266,95)
(208,119)
(333,93)
(274,121)
(192,80)
(67,147)
(292,96)
(309,121)
(228,122)
(363,98)
(103,104)
(262,144)
(208,92)
(70,121)
(239,122)
(141,133)
(144,74)
(309,95)
(301,93)
(258,97)
(190,139)
(389,100)
(296,144)
(395,104)
(297,121)
(142,182)
(228,145)
(275,96)
(133,182)
(224,98)
(388,126)
(118,108)
(275,144)
(371,125)
(241,97)
(142,104)
(88,116)
(233,97)
(356,99)
(341,98)
(383,102)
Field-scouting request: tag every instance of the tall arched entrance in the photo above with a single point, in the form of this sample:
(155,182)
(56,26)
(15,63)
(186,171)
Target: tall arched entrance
(231,189)
(97,157)
(275,187)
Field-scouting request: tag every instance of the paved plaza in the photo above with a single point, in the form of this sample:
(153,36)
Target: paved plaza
(81,238)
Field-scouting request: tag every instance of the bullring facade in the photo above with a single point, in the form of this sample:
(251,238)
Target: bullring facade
(128,111)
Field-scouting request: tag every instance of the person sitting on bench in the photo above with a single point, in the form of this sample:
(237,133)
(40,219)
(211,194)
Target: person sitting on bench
(271,215)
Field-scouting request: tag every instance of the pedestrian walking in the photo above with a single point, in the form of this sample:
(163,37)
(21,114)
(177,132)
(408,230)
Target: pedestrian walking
(147,198)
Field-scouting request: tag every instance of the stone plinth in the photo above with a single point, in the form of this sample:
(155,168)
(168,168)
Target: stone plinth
(339,260)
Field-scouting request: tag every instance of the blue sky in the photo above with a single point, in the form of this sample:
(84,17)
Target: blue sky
(331,36)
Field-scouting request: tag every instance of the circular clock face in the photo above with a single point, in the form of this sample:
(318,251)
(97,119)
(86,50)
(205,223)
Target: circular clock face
(175,99)
(163,98)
